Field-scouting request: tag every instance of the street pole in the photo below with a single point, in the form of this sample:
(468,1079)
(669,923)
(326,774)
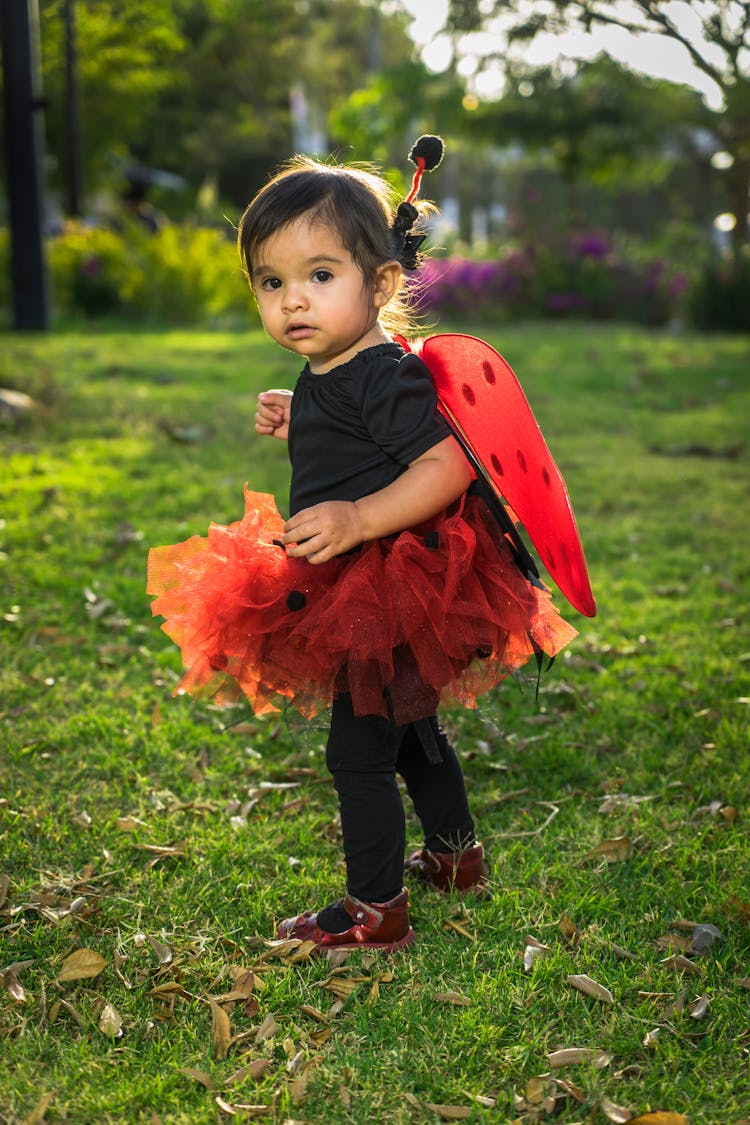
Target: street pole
(19,39)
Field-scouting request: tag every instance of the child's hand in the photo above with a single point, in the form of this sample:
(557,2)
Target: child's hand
(272,415)
(324,531)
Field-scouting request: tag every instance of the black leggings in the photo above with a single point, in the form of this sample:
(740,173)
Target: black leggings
(364,754)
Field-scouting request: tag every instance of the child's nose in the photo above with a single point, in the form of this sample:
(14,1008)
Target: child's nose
(294,298)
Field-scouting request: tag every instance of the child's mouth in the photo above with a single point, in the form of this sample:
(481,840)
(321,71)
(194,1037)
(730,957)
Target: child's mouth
(300,331)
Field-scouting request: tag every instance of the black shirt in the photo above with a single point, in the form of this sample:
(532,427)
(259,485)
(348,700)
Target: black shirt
(355,429)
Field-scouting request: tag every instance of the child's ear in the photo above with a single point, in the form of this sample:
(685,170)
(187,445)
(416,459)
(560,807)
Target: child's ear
(387,281)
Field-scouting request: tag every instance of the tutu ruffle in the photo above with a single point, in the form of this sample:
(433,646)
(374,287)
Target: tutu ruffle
(438,612)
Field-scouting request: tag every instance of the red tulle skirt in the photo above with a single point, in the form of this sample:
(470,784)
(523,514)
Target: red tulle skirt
(438,612)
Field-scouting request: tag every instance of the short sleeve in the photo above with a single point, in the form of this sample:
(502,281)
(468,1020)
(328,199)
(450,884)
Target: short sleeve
(399,409)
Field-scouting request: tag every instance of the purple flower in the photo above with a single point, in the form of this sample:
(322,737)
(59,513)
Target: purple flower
(565,302)
(592,245)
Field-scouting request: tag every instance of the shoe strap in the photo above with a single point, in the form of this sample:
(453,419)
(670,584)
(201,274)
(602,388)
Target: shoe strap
(362,911)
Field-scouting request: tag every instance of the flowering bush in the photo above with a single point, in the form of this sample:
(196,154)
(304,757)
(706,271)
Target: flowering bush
(581,276)
(181,274)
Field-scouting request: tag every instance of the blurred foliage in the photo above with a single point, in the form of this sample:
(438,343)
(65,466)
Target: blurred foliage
(181,275)
(602,123)
(716,38)
(719,300)
(191,275)
(579,276)
(221,91)
(202,88)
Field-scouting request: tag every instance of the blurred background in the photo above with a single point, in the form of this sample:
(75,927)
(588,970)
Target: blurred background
(598,153)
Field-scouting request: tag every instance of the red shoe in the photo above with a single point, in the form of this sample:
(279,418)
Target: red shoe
(462,871)
(375,925)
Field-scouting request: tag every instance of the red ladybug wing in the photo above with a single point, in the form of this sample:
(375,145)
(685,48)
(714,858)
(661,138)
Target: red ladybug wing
(480,395)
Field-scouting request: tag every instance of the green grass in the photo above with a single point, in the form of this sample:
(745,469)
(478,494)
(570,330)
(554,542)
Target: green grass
(99,764)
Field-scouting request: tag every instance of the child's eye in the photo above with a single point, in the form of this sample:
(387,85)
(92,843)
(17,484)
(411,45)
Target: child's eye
(322,275)
(270,283)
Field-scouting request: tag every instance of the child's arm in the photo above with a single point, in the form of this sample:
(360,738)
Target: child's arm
(429,485)
(272,415)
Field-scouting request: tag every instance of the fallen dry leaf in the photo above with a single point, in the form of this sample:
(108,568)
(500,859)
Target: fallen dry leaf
(242,1110)
(658,1117)
(613,851)
(82,964)
(650,1038)
(374,994)
(199,1076)
(65,1006)
(622,954)
(570,1056)
(10,982)
(590,987)
(575,1091)
(37,1115)
(616,802)
(267,1029)
(451,997)
(298,1085)
(684,964)
(699,1007)
(460,929)
(221,1030)
(254,1070)
(538,1088)
(164,954)
(568,928)
(614,1112)
(480,1099)
(295,1064)
(675,1008)
(675,943)
(305,951)
(110,1022)
(280,947)
(533,951)
(130,823)
(313,1013)
(450,1112)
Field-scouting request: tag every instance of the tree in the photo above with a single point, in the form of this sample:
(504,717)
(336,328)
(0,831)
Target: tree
(602,124)
(714,34)
(126,55)
(204,88)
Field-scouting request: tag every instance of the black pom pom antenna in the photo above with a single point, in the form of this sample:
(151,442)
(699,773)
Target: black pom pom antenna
(426,154)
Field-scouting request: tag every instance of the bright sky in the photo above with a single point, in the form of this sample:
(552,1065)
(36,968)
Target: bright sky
(650,54)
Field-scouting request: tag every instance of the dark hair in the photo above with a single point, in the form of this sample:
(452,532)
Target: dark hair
(354,201)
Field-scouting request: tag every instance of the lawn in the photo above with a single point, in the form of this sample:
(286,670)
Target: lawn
(149,844)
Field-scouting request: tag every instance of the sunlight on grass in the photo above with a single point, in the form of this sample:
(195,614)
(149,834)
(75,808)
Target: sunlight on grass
(168,837)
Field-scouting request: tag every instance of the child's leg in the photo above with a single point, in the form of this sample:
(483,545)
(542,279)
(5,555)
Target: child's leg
(361,754)
(438,792)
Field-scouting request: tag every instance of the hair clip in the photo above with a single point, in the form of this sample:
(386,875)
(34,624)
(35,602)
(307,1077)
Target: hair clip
(426,154)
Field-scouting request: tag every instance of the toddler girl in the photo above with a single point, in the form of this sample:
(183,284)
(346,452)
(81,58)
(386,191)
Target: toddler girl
(390,586)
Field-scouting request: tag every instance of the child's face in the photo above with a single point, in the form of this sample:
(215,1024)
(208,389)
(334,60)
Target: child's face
(312,296)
